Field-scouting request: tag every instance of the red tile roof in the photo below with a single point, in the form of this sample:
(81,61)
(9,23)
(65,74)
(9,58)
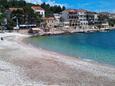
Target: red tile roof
(37,8)
(75,11)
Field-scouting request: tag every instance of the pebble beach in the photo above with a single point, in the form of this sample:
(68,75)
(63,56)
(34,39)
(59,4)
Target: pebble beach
(22,64)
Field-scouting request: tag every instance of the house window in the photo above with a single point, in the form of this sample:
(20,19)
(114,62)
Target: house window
(38,12)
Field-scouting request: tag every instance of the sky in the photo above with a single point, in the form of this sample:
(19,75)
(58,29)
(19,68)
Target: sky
(92,5)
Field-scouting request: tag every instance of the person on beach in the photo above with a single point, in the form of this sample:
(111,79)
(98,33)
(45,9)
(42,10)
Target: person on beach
(2,38)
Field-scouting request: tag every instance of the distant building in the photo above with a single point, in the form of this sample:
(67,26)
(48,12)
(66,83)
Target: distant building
(70,18)
(15,9)
(39,10)
(103,20)
(50,22)
(82,18)
(53,21)
(112,16)
(93,19)
(105,25)
(57,17)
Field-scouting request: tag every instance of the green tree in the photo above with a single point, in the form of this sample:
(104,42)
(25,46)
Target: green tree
(10,25)
(112,22)
(19,15)
(52,9)
(1,18)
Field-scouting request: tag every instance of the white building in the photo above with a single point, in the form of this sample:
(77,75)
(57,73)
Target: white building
(93,19)
(50,22)
(82,17)
(112,16)
(39,10)
(70,18)
(57,17)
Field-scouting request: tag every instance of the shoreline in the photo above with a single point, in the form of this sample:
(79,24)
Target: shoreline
(72,31)
(25,43)
(38,63)
(83,59)
(66,56)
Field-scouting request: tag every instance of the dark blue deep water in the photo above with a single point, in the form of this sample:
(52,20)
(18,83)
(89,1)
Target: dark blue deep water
(98,46)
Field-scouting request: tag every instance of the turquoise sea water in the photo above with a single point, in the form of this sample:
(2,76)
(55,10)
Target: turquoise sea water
(98,46)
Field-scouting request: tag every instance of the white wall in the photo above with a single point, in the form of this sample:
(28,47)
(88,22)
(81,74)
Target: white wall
(42,12)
